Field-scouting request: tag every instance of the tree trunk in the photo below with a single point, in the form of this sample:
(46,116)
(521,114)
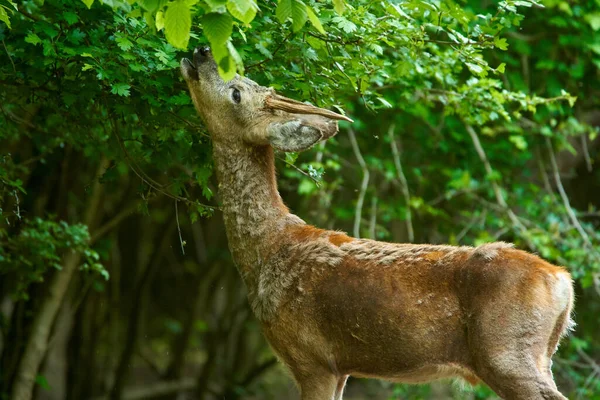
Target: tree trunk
(37,344)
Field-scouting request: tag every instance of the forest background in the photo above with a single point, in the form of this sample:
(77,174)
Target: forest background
(475,121)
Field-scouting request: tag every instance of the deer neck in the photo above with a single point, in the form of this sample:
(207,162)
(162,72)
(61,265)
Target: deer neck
(253,211)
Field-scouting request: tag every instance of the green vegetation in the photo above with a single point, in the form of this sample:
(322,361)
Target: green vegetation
(475,121)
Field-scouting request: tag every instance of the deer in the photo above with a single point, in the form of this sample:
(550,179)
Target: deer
(332,306)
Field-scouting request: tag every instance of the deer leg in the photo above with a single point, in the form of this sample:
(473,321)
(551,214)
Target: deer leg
(339,390)
(512,387)
(515,374)
(316,386)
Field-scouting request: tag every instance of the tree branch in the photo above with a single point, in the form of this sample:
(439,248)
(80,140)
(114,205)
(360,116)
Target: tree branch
(403,183)
(363,186)
(517,224)
(564,196)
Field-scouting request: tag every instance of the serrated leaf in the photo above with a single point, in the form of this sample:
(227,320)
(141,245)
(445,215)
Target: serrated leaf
(216,5)
(299,15)
(314,20)
(88,3)
(149,5)
(159,21)
(178,22)
(243,10)
(33,38)
(386,103)
(217,28)
(70,17)
(4,16)
(225,62)
(501,68)
(227,68)
(122,89)
(344,24)
(501,43)
(339,6)
(236,57)
(13,4)
(123,42)
(284,10)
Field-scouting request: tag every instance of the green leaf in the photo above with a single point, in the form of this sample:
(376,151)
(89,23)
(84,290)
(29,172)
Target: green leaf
(216,5)
(284,10)
(243,10)
(160,21)
(385,103)
(42,381)
(314,20)
(235,56)
(593,20)
(70,17)
(123,42)
(344,24)
(519,142)
(33,38)
(501,43)
(299,15)
(88,3)
(178,22)
(339,6)
(122,89)
(225,62)
(217,28)
(4,16)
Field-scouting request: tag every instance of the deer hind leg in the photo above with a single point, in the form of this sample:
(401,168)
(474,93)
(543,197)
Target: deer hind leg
(320,385)
(339,390)
(519,369)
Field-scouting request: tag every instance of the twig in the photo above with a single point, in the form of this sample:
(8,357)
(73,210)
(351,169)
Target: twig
(334,40)
(564,196)
(181,242)
(249,67)
(316,181)
(28,15)
(9,57)
(363,186)
(149,181)
(471,224)
(18,214)
(256,372)
(403,183)
(198,127)
(593,364)
(373,221)
(497,192)
(586,153)
(115,221)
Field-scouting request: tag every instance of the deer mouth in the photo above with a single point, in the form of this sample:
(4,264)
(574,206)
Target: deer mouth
(190,68)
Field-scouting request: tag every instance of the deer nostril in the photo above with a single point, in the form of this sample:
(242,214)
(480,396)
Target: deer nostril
(203,50)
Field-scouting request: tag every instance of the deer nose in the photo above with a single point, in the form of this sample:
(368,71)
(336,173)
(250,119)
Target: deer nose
(202,50)
(201,55)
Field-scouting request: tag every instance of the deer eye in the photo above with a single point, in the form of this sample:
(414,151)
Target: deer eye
(236,96)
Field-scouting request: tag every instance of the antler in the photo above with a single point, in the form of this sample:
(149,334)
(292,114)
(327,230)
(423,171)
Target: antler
(292,106)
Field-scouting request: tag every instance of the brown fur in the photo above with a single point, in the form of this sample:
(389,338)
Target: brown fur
(333,306)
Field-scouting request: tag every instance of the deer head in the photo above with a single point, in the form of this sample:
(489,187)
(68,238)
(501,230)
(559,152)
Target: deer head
(242,111)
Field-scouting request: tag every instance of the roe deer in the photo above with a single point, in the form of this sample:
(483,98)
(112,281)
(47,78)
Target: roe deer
(332,306)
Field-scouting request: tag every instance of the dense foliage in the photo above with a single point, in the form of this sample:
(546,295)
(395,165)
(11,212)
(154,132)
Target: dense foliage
(475,121)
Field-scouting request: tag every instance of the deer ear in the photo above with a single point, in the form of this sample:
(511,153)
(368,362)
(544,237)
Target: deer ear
(301,133)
